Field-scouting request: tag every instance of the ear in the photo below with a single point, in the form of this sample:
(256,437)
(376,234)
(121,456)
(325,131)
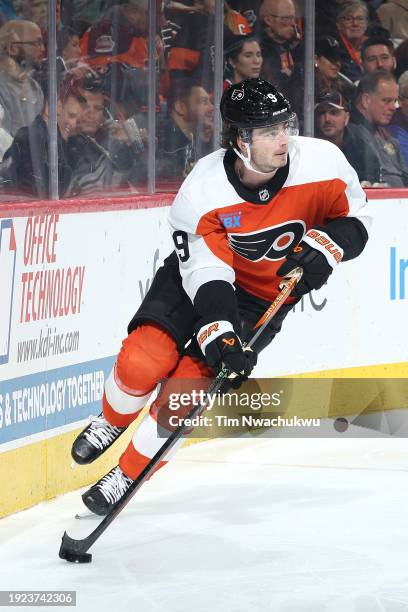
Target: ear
(267,20)
(179,107)
(365,100)
(12,49)
(347,119)
(394,63)
(241,145)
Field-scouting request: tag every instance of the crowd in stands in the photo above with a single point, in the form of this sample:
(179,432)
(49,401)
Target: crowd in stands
(102,67)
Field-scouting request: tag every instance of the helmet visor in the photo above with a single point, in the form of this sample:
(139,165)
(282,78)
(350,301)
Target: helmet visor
(289,127)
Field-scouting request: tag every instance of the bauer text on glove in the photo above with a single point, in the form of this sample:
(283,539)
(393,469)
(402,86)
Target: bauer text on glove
(317,254)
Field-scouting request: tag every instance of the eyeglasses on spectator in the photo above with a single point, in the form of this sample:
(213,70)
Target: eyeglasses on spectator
(35,43)
(351,19)
(284,18)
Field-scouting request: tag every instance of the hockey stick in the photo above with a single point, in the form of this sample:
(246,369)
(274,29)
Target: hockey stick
(76,550)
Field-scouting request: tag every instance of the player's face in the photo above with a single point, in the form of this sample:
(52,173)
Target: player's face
(331,121)
(381,104)
(248,63)
(269,148)
(378,57)
(92,114)
(329,68)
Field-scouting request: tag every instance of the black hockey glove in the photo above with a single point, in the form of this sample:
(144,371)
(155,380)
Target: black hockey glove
(318,255)
(222,348)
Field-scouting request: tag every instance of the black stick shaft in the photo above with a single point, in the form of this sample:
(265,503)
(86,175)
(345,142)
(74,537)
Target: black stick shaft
(81,546)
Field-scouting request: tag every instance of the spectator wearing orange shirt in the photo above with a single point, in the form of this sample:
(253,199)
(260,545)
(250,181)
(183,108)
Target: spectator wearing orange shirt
(121,36)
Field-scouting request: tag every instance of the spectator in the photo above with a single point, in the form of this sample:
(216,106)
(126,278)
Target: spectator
(243,59)
(393,16)
(190,111)
(280,42)
(106,153)
(234,21)
(326,15)
(352,22)
(399,125)
(327,75)
(191,52)
(328,64)
(68,46)
(378,54)
(21,49)
(377,95)
(332,123)
(250,10)
(26,162)
(121,36)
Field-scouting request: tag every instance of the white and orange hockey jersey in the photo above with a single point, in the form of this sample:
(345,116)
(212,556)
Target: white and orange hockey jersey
(226,232)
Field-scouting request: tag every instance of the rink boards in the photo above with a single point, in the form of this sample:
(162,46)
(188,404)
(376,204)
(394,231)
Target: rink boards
(73,274)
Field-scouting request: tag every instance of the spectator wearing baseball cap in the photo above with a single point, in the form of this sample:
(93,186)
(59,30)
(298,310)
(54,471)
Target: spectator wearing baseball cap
(332,111)
(327,75)
(328,64)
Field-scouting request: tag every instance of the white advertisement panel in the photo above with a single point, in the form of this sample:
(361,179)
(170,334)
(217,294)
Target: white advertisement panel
(70,283)
(359,317)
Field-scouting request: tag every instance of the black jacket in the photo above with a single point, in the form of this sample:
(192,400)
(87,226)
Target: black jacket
(25,167)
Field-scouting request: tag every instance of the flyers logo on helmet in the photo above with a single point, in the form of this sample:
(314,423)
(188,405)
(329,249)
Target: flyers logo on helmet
(237,94)
(272,243)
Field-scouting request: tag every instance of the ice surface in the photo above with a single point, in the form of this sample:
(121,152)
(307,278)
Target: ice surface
(282,525)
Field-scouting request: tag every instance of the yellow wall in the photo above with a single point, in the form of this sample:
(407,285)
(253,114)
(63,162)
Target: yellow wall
(42,470)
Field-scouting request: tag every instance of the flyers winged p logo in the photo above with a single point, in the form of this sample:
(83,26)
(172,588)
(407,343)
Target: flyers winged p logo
(271,243)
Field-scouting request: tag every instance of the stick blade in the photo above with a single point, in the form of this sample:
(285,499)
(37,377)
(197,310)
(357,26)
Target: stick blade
(70,550)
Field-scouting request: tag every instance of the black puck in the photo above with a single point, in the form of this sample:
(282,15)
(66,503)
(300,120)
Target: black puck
(341,424)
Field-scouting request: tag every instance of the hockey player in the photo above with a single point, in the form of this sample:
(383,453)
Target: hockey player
(247,214)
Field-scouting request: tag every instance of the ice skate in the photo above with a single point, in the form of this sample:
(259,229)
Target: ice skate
(104,494)
(94,440)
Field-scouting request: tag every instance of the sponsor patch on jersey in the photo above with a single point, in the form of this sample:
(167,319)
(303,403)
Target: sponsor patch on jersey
(272,243)
(231,220)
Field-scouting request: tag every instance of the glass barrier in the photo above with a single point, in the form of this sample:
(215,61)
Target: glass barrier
(358,103)
(186,119)
(23,128)
(138,87)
